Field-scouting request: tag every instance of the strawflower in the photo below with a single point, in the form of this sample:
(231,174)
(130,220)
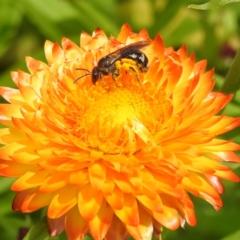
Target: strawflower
(116,158)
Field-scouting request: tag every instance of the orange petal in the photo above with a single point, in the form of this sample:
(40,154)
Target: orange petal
(169,218)
(229,175)
(12,169)
(157,230)
(129,213)
(89,202)
(117,230)
(57,54)
(216,183)
(30,180)
(79,178)
(7,133)
(85,38)
(97,175)
(64,200)
(54,182)
(7,93)
(19,199)
(76,227)
(35,200)
(108,186)
(184,207)
(48,51)
(7,111)
(32,64)
(100,224)
(121,181)
(224,156)
(158,48)
(115,199)
(71,50)
(218,145)
(154,205)
(143,35)
(145,228)
(200,187)
(29,95)
(20,77)
(125,31)
(71,165)
(182,148)
(28,157)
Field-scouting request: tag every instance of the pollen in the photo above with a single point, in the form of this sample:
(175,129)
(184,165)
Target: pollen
(120,105)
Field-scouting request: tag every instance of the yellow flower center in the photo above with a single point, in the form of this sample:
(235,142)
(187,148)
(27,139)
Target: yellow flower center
(114,119)
(120,105)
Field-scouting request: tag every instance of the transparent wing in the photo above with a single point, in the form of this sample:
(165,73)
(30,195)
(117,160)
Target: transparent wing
(116,55)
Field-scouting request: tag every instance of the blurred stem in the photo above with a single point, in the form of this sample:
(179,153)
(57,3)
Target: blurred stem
(232,82)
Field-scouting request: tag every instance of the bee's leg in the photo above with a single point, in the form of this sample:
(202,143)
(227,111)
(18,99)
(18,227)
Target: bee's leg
(100,77)
(137,77)
(134,70)
(115,75)
(143,68)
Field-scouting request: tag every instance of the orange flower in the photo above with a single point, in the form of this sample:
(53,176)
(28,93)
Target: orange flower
(116,158)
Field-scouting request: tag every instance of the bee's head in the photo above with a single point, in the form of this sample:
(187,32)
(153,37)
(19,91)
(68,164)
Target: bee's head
(96,75)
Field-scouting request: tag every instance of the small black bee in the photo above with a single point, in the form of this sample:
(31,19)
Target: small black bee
(129,57)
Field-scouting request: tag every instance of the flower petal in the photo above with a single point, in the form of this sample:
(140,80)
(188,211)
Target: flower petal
(129,213)
(101,223)
(76,227)
(63,201)
(97,175)
(89,202)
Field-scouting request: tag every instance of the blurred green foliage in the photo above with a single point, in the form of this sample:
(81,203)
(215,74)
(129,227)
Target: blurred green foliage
(213,4)
(212,35)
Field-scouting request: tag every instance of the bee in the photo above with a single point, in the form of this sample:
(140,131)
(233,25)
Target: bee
(129,58)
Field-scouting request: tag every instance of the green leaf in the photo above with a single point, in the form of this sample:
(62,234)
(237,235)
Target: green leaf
(5,186)
(56,19)
(212,4)
(234,236)
(232,82)
(10,19)
(39,231)
(163,18)
(88,238)
(96,11)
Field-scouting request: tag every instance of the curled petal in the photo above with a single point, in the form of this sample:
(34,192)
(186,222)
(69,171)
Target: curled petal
(56,226)
(216,183)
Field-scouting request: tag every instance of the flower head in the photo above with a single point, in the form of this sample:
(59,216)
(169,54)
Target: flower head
(115,158)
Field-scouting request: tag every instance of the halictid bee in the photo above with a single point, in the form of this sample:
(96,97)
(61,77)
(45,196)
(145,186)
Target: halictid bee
(129,58)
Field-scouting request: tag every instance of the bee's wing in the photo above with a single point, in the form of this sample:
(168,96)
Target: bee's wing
(116,55)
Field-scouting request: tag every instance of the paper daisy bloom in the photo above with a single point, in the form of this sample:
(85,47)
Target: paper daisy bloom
(115,157)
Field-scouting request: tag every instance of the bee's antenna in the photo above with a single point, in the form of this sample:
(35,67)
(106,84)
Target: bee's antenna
(89,73)
(83,69)
(81,77)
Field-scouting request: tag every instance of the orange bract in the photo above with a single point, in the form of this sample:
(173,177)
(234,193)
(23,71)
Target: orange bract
(113,160)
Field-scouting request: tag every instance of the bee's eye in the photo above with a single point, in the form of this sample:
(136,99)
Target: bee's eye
(95,75)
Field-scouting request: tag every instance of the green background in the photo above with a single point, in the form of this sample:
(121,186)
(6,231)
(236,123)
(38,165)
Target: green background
(213,35)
